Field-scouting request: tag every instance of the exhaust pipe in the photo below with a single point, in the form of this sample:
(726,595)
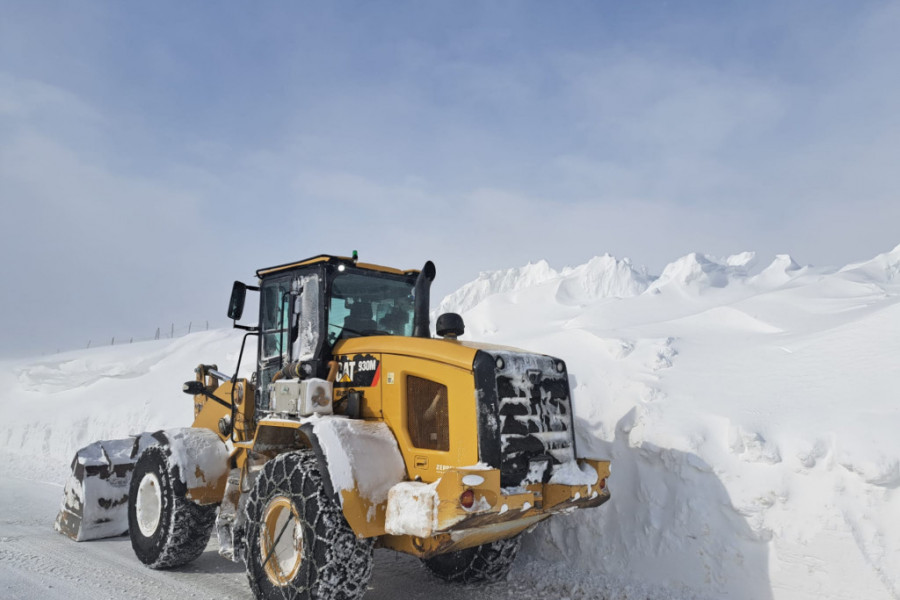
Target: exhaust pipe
(421,322)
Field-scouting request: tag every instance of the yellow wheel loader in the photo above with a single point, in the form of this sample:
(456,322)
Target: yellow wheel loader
(357,430)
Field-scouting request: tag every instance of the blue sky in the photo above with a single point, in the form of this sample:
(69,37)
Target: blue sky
(151,154)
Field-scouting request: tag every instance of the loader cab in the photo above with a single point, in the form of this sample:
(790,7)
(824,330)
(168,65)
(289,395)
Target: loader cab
(309,307)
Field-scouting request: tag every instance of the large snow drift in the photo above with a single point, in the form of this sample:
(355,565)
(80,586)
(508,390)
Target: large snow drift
(750,412)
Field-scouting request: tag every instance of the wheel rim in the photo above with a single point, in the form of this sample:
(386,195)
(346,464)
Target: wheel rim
(281,541)
(148,504)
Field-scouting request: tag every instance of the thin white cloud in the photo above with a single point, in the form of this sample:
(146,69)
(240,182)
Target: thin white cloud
(133,158)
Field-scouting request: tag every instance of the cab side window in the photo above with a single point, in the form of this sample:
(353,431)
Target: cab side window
(276,314)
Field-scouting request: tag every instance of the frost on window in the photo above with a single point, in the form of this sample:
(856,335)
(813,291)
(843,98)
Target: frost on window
(275,316)
(307,305)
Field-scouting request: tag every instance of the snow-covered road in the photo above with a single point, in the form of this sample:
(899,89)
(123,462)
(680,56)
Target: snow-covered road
(36,563)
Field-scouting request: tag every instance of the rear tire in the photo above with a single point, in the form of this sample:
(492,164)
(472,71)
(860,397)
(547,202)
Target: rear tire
(299,545)
(166,528)
(487,563)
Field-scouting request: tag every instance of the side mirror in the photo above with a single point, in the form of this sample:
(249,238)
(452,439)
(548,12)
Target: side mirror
(236,304)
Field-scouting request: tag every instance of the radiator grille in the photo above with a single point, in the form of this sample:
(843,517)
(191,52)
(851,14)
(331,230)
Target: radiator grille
(535,416)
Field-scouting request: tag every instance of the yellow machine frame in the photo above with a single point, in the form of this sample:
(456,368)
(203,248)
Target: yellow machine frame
(448,362)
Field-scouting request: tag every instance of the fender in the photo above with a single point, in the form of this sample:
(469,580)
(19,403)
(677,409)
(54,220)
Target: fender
(202,458)
(359,462)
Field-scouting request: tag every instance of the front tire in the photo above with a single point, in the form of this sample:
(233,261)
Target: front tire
(166,528)
(487,563)
(299,545)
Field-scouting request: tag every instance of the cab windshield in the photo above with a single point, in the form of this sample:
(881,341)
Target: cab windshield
(369,305)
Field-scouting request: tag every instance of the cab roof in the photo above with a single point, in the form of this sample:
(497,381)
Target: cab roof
(328,258)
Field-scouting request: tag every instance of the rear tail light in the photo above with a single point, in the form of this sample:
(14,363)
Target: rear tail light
(467,499)
(603,483)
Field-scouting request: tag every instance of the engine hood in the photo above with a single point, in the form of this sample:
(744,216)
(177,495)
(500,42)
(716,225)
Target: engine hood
(453,352)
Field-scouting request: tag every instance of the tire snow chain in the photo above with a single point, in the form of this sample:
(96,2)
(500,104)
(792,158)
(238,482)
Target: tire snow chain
(271,552)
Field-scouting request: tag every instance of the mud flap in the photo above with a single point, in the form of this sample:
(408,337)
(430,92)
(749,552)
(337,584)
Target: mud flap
(96,495)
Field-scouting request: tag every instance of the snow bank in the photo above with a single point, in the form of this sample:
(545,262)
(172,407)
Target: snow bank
(601,277)
(489,283)
(750,418)
(697,272)
(55,405)
(750,412)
